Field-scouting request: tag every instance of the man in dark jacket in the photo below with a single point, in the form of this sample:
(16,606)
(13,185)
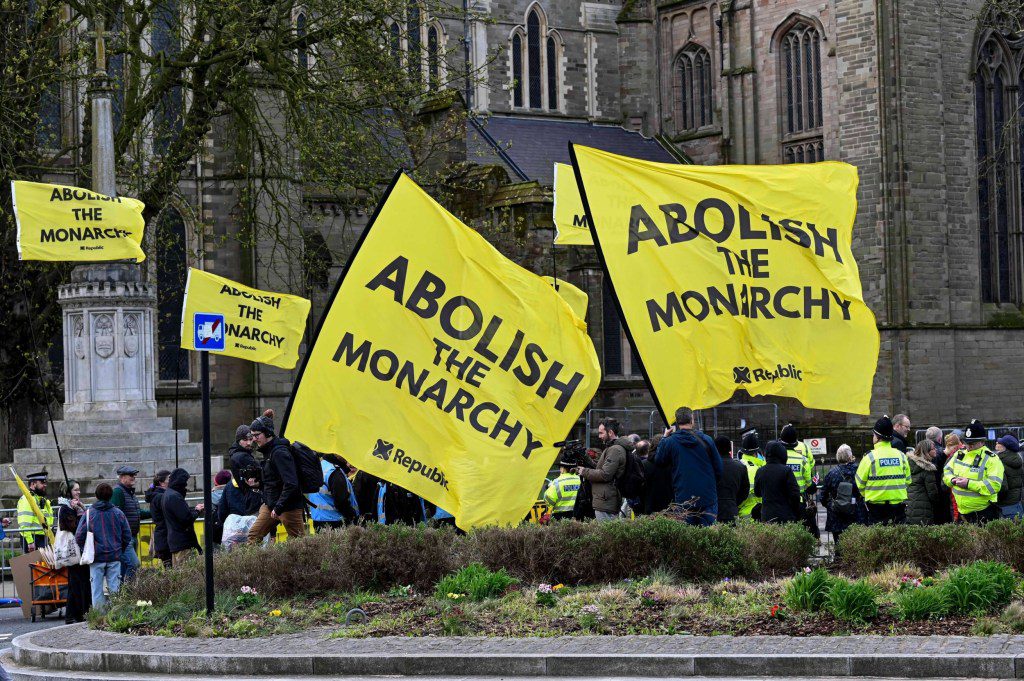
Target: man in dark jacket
(241,497)
(776,484)
(124,499)
(657,482)
(240,453)
(283,501)
(696,468)
(733,485)
(1009,499)
(607,501)
(182,541)
(154,497)
(111,536)
(901,432)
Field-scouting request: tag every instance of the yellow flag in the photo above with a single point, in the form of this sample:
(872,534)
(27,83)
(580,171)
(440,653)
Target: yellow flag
(570,219)
(443,367)
(573,295)
(227,318)
(68,224)
(736,277)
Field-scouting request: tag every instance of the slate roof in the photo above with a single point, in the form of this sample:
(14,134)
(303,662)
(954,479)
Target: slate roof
(536,144)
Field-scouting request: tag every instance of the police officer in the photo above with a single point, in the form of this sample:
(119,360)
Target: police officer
(801,462)
(975,474)
(753,459)
(561,493)
(883,476)
(32,533)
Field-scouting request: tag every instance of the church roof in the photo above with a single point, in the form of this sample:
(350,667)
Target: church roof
(529,147)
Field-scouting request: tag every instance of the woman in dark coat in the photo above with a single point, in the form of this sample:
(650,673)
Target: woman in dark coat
(923,492)
(775,483)
(69,512)
(837,519)
(154,497)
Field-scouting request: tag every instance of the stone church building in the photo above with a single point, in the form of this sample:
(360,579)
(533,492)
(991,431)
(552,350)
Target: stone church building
(921,96)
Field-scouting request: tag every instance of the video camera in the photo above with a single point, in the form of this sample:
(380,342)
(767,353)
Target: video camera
(573,454)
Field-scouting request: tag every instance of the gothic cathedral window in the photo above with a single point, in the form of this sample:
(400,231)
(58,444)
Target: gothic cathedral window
(800,69)
(406,39)
(535,56)
(694,89)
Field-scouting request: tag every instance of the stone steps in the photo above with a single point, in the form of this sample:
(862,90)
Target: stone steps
(102,440)
(106,456)
(98,426)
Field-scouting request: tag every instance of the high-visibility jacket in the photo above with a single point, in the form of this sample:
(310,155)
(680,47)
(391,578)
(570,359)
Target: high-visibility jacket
(753,462)
(984,473)
(801,461)
(321,503)
(561,493)
(28,524)
(883,475)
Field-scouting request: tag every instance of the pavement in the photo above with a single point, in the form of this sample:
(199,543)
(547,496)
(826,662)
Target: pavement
(13,624)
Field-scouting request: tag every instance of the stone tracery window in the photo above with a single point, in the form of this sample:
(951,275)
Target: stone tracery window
(418,42)
(694,88)
(800,70)
(535,57)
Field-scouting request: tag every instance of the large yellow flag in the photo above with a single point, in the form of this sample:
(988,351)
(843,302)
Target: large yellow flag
(228,318)
(735,277)
(571,228)
(62,224)
(444,367)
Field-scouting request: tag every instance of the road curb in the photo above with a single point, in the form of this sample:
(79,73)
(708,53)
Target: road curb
(438,664)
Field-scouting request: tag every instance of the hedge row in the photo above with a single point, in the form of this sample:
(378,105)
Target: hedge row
(863,550)
(377,557)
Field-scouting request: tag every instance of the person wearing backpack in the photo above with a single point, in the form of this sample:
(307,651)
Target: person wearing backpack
(607,500)
(840,496)
(696,468)
(283,502)
(334,503)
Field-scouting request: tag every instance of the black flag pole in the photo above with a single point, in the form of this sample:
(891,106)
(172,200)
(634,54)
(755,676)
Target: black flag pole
(207,480)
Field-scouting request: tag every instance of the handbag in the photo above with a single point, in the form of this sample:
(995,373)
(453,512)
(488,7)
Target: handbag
(65,550)
(89,552)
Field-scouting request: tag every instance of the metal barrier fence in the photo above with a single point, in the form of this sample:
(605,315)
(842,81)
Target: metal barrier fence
(994,433)
(639,420)
(732,420)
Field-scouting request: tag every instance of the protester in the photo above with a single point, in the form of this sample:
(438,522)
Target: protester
(733,485)
(942,508)
(776,484)
(334,504)
(883,476)
(33,535)
(242,496)
(976,476)
(154,497)
(240,452)
(69,513)
(696,468)
(220,481)
(1009,499)
(752,459)
(365,487)
(560,495)
(901,432)
(124,499)
(283,502)
(923,492)
(607,501)
(843,503)
(182,541)
(398,506)
(111,537)
(658,492)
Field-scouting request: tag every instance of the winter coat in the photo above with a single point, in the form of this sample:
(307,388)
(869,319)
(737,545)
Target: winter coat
(733,488)
(696,466)
(239,458)
(238,499)
(365,487)
(657,487)
(942,509)
(1013,478)
(280,479)
(179,518)
(602,478)
(154,497)
(776,484)
(834,522)
(111,534)
(124,499)
(899,443)
(923,493)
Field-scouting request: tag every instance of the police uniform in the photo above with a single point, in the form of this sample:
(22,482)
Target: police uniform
(984,473)
(561,495)
(801,462)
(28,525)
(883,477)
(750,456)
(321,503)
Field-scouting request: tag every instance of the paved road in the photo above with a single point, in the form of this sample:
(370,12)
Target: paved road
(12,624)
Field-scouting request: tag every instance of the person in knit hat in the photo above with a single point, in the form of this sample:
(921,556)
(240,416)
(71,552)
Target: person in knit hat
(975,475)
(240,453)
(1009,499)
(283,501)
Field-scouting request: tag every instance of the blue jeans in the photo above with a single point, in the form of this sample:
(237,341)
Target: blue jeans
(129,562)
(1013,511)
(99,571)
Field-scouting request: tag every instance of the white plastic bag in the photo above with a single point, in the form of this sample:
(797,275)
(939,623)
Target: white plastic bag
(89,552)
(65,550)
(236,530)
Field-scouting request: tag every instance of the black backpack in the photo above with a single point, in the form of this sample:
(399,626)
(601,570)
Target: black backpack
(307,467)
(631,480)
(845,502)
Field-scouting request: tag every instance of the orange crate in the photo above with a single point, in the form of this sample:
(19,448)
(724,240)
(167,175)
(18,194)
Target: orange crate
(49,586)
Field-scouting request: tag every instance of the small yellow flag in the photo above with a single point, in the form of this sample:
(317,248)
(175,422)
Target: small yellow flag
(260,326)
(58,223)
(571,226)
(571,294)
(736,277)
(444,367)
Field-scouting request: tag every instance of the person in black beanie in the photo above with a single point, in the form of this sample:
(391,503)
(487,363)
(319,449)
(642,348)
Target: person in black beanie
(240,453)
(733,485)
(283,501)
(776,484)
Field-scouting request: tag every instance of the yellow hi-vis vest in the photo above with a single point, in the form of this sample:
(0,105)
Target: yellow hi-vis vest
(753,463)
(984,473)
(28,524)
(883,475)
(801,461)
(561,493)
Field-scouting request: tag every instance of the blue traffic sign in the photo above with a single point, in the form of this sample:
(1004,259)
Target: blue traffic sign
(208,331)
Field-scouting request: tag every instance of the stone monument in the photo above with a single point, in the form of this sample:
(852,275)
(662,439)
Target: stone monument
(110,415)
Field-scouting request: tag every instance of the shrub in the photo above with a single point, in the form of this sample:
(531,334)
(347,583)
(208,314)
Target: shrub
(920,603)
(476,582)
(852,601)
(978,588)
(1013,617)
(809,590)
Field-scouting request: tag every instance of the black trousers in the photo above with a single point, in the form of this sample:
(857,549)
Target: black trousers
(79,594)
(886,514)
(981,517)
